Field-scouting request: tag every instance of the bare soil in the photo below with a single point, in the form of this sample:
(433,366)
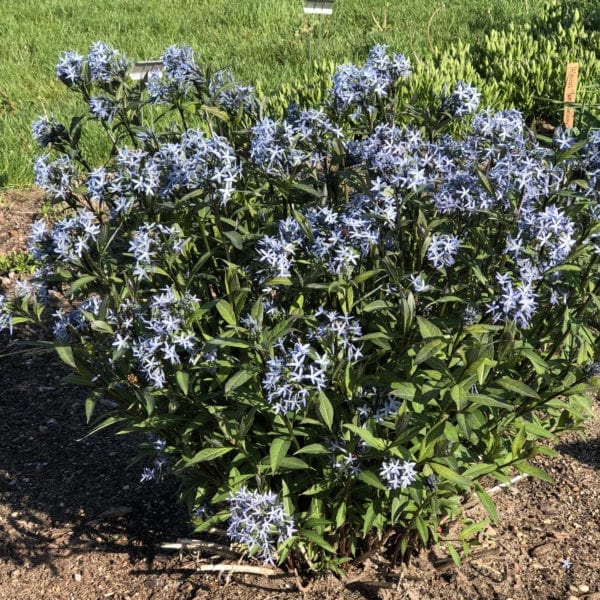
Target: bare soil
(76,523)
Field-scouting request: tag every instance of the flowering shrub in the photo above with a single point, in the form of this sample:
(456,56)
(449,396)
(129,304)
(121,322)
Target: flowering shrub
(331,325)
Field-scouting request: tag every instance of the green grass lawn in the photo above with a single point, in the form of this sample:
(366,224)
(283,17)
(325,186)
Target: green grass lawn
(265,40)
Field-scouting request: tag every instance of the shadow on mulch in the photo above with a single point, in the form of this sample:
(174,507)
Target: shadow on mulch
(585,451)
(64,493)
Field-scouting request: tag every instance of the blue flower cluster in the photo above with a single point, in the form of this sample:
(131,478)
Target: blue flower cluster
(225,91)
(66,241)
(303,140)
(179,75)
(398,474)
(47,131)
(359,88)
(194,163)
(104,65)
(293,375)
(258,521)
(339,240)
(57,178)
(157,336)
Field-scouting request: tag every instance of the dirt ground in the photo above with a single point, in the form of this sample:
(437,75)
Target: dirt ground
(76,523)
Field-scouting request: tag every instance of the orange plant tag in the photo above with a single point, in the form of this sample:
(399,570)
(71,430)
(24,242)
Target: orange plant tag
(570,93)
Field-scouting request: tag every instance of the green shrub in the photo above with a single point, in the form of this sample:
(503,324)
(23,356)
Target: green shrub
(524,65)
(331,325)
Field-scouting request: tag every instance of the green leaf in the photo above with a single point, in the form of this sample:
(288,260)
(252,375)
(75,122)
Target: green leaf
(183,380)
(476,471)
(65,353)
(315,538)
(326,410)
(369,519)
(366,436)
(90,404)
(528,469)
(428,329)
(313,449)
(428,350)
(453,553)
(211,110)
(307,190)
(101,326)
(371,479)
(483,400)
(226,311)
(487,503)
(449,474)
(376,305)
(518,442)
(512,385)
(362,277)
(537,362)
(403,389)
(422,529)
(82,281)
(472,529)
(235,238)
(236,380)
(340,515)
(277,451)
(292,463)
(208,454)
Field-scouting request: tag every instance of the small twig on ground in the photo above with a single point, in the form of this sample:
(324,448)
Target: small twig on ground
(510,483)
(189,544)
(248,569)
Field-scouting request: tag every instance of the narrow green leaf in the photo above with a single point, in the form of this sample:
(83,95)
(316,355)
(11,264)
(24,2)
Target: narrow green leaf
(313,449)
(518,442)
(422,529)
(315,538)
(476,471)
(101,326)
(82,281)
(452,476)
(428,350)
(226,311)
(90,404)
(340,515)
(512,385)
(371,479)
(484,400)
(291,463)
(326,410)
(403,389)
(367,436)
(362,277)
(376,305)
(183,380)
(537,362)
(472,529)
(237,379)
(65,354)
(278,450)
(369,519)
(536,472)
(487,503)
(235,238)
(208,454)
(428,329)
(453,553)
